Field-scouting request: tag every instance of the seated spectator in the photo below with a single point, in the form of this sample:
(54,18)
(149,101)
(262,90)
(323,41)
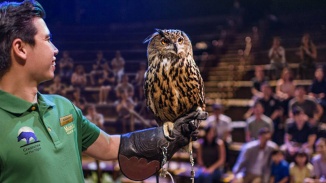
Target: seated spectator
(66,65)
(210,157)
(319,161)
(78,100)
(318,90)
(257,81)
(93,116)
(280,168)
(272,108)
(57,87)
(123,86)
(308,56)
(299,134)
(253,163)
(139,82)
(78,78)
(257,121)
(97,68)
(300,170)
(285,88)
(124,107)
(221,122)
(311,108)
(276,55)
(106,82)
(118,65)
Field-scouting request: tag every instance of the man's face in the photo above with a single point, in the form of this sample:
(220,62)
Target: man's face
(258,109)
(266,90)
(40,59)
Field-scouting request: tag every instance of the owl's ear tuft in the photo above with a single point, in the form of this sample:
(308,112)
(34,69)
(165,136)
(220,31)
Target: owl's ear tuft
(160,31)
(150,37)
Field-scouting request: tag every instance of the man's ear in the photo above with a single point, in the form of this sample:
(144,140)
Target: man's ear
(19,48)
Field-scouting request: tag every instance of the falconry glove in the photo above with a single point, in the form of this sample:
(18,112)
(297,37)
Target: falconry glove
(140,153)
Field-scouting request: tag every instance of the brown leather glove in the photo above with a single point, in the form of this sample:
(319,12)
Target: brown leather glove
(141,152)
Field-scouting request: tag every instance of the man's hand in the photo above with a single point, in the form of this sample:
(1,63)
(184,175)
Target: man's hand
(141,152)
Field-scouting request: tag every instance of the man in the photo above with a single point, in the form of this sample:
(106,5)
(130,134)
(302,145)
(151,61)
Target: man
(313,110)
(221,122)
(253,164)
(95,117)
(272,108)
(299,134)
(42,136)
(257,121)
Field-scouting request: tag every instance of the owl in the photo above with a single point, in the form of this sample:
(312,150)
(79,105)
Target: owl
(173,84)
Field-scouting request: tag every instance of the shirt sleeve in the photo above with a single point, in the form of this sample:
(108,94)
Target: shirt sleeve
(88,132)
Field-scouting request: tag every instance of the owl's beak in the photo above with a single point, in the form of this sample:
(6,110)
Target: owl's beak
(175,48)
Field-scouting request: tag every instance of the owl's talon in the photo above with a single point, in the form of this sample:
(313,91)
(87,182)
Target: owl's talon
(168,130)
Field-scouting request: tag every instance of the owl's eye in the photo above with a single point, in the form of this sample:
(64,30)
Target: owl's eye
(165,41)
(180,40)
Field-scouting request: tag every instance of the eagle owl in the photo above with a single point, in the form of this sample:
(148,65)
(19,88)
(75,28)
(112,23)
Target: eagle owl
(173,84)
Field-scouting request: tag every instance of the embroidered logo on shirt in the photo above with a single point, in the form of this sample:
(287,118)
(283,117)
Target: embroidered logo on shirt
(66,119)
(27,135)
(69,128)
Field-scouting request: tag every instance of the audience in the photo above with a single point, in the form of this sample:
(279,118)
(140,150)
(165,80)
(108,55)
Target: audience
(299,134)
(79,100)
(300,169)
(285,88)
(211,157)
(280,168)
(93,116)
(57,87)
(308,56)
(308,104)
(276,55)
(318,90)
(257,121)
(272,108)
(221,123)
(253,163)
(124,107)
(106,81)
(118,64)
(66,65)
(319,161)
(79,78)
(125,86)
(97,68)
(257,81)
(139,81)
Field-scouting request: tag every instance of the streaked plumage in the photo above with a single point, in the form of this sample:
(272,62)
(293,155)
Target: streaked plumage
(173,84)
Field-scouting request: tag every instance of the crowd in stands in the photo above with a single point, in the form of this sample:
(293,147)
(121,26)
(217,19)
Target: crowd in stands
(285,127)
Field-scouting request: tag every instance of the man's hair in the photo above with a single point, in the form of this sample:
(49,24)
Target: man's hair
(276,152)
(263,131)
(296,110)
(16,22)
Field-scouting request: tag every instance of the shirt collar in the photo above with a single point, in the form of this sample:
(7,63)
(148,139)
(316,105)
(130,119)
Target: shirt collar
(16,105)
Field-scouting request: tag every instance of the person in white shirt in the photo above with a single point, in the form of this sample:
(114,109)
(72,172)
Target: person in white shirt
(221,122)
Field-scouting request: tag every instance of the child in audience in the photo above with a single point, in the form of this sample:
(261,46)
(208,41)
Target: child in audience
(280,168)
(300,169)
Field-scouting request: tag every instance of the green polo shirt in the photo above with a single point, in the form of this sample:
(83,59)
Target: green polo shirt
(42,143)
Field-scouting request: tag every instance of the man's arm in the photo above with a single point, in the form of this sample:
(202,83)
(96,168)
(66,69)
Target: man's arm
(106,147)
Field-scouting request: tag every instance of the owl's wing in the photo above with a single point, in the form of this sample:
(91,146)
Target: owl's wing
(148,92)
(200,82)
